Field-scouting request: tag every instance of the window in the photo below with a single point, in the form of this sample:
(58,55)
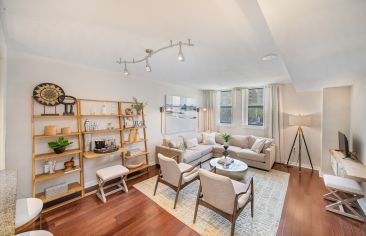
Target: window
(226,113)
(255,107)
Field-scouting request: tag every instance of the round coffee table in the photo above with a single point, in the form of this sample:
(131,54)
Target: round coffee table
(236,170)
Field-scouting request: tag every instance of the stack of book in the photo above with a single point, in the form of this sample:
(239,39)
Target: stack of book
(225,161)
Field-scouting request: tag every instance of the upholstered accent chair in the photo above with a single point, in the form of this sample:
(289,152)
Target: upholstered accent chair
(176,176)
(223,195)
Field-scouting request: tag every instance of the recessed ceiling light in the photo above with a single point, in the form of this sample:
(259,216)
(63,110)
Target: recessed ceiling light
(269,57)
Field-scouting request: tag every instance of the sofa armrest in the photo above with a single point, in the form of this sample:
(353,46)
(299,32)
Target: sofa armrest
(169,152)
(270,155)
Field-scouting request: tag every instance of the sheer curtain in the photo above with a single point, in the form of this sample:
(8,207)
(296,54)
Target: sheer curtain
(274,118)
(210,102)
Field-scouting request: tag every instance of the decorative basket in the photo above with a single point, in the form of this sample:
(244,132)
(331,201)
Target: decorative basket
(50,130)
(56,190)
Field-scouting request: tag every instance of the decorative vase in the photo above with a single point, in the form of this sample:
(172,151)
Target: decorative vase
(137,136)
(50,130)
(59,150)
(131,137)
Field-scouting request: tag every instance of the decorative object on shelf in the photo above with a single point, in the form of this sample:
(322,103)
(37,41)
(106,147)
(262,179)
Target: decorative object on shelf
(56,190)
(47,94)
(68,102)
(128,122)
(133,165)
(46,167)
(50,130)
(99,144)
(69,165)
(299,121)
(151,52)
(60,145)
(52,166)
(129,112)
(90,125)
(104,109)
(108,149)
(131,137)
(138,106)
(66,130)
(109,126)
(137,136)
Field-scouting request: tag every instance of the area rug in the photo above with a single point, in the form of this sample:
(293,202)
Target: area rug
(269,189)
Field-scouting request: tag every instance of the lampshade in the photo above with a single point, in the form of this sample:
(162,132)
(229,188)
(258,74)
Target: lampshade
(299,120)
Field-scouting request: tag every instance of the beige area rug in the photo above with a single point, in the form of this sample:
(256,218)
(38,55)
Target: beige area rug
(270,190)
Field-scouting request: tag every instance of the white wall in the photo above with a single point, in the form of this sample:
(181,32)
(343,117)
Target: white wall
(26,71)
(336,117)
(3,78)
(358,125)
(304,103)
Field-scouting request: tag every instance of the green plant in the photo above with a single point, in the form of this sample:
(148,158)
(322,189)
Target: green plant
(61,142)
(138,106)
(226,137)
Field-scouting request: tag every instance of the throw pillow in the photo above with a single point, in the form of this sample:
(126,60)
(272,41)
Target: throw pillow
(180,144)
(172,144)
(209,138)
(258,145)
(190,143)
(267,143)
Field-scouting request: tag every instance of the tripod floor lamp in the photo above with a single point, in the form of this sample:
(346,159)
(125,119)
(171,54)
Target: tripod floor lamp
(299,121)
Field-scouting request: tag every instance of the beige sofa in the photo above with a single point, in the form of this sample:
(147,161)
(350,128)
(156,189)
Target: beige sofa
(239,149)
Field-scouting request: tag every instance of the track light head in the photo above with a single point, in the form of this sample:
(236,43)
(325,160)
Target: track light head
(148,67)
(180,54)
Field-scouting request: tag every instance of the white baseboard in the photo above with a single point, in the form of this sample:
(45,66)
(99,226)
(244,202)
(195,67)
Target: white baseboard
(306,166)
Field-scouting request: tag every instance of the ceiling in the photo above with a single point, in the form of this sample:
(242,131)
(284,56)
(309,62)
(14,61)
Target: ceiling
(318,43)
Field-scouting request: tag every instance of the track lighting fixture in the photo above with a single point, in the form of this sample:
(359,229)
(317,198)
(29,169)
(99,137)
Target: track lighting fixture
(180,54)
(151,52)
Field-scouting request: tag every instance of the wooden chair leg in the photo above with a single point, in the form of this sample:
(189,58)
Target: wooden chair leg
(233,227)
(156,185)
(195,211)
(40,220)
(176,197)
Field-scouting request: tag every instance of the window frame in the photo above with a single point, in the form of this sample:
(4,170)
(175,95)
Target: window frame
(231,108)
(245,108)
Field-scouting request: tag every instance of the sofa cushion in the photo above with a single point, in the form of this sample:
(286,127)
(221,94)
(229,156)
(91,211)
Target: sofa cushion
(203,149)
(219,139)
(239,141)
(251,140)
(191,155)
(250,155)
(233,150)
(190,142)
(208,138)
(258,145)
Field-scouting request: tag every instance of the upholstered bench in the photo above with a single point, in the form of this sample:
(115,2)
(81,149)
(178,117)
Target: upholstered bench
(110,173)
(344,193)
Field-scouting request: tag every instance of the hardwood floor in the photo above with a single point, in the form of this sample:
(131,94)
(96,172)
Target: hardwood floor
(135,214)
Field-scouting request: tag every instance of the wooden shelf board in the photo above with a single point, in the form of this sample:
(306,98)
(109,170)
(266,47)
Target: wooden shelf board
(92,154)
(133,170)
(101,116)
(73,188)
(102,131)
(142,140)
(54,117)
(131,115)
(41,136)
(58,173)
(55,155)
(137,155)
(134,128)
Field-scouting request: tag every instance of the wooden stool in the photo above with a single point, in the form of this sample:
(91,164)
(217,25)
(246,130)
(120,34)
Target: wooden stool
(110,173)
(36,233)
(27,210)
(344,193)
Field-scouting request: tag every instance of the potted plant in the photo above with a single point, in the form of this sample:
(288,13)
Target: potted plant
(138,106)
(60,145)
(227,138)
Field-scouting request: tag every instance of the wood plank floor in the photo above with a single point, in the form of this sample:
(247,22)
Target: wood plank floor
(135,214)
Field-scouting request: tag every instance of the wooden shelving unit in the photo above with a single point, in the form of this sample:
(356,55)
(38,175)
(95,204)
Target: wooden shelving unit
(143,169)
(81,153)
(75,187)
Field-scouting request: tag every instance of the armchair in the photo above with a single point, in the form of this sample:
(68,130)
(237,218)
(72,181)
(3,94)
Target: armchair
(175,176)
(224,196)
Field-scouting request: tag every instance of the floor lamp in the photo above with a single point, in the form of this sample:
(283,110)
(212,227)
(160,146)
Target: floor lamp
(299,121)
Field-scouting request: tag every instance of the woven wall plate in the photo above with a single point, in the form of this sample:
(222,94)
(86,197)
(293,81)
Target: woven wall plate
(47,94)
